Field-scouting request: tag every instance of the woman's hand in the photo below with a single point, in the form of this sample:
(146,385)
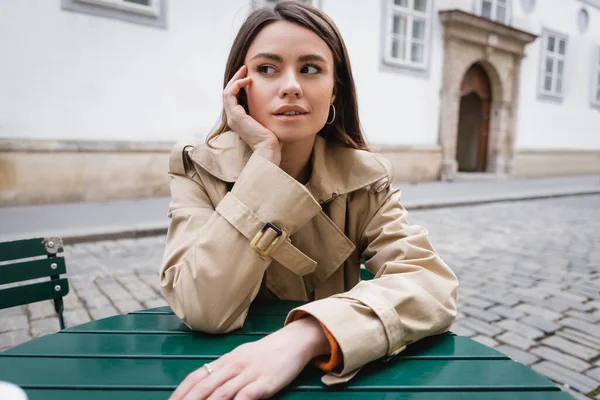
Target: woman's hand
(258,369)
(260,139)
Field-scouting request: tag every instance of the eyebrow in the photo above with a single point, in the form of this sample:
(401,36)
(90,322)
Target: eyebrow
(304,58)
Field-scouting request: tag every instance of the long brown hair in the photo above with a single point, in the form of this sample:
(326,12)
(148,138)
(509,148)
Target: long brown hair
(346,127)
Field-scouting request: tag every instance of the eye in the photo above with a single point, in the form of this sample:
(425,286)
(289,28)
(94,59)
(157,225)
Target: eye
(265,69)
(310,69)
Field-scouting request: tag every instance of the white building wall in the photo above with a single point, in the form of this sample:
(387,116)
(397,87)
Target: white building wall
(570,123)
(67,75)
(397,106)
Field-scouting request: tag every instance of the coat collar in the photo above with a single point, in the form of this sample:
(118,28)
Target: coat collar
(336,169)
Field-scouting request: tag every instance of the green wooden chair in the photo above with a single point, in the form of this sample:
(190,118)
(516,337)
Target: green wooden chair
(21,260)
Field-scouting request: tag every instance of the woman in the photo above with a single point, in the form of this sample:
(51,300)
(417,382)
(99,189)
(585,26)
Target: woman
(283,202)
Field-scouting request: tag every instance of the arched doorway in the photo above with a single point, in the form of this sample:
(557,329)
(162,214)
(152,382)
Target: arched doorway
(474,120)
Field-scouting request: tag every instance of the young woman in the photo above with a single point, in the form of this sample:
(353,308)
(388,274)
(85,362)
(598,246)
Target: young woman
(283,202)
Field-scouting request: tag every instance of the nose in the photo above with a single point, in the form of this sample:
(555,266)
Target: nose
(290,86)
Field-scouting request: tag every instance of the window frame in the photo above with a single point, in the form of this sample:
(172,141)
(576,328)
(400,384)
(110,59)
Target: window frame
(152,10)
(595,98)
(494,17)
(390,11)
(556,56)
(152,15)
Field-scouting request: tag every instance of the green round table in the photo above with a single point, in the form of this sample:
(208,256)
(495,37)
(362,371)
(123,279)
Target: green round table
(146,354)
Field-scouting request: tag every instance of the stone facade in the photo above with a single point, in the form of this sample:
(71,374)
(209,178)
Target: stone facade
(37,172)
(53,172)
(539,163)
(413,163)
(498,48)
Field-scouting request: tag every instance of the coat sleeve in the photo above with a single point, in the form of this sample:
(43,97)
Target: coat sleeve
(210,273)
(412,296)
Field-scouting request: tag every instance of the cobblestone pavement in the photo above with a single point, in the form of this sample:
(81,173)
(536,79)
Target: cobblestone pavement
(529,273)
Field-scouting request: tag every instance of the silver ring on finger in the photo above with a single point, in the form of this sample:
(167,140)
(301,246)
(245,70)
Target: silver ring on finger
(208,368)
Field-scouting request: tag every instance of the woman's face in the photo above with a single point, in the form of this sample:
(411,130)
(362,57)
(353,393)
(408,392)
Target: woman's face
(292,73)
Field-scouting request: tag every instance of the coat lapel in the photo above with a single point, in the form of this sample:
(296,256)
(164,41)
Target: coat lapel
(226,160)
(336,169)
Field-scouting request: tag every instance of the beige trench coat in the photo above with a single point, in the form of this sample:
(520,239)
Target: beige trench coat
(221,201)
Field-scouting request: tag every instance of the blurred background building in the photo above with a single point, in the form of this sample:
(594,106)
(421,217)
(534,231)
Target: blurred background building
(93,93)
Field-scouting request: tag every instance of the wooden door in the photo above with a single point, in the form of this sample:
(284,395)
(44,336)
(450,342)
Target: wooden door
(474,120)
(483,135)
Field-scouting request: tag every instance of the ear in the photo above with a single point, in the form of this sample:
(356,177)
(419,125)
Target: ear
(332,96)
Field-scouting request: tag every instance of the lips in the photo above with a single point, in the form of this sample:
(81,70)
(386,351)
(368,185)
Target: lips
(290,110)
(291,113)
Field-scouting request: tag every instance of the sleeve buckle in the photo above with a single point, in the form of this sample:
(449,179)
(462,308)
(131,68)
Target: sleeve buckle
(259,235)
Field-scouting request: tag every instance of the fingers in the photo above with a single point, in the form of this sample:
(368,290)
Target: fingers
(237,81)
(238,75)
(189,381)
(233,110)
(230,94)
(255,390)
(234,88)
(203,388)
(230,388)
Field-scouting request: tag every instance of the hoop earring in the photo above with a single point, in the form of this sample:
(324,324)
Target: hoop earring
(332,119)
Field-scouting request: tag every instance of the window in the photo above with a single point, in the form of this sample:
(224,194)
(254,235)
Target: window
(553,62)
(145,7)
(407,33)
(496,10)
(596,80)
(145,12)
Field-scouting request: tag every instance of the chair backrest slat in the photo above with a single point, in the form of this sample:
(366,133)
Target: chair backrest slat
(23,271)
(22,249)
(35,292)
(26,248)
